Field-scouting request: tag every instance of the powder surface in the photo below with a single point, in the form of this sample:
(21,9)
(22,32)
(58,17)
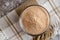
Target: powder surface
(35,20)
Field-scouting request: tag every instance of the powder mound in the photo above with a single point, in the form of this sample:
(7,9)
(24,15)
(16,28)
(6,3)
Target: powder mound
(35,20)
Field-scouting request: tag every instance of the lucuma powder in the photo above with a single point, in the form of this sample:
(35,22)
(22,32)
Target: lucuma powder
(35,20)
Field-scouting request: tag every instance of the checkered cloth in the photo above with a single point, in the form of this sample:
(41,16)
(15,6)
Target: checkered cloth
(9,24)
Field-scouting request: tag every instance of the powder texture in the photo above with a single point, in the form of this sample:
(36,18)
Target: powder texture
(35,20)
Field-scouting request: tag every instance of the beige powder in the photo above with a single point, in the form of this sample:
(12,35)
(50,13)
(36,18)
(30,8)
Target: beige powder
(35,20)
